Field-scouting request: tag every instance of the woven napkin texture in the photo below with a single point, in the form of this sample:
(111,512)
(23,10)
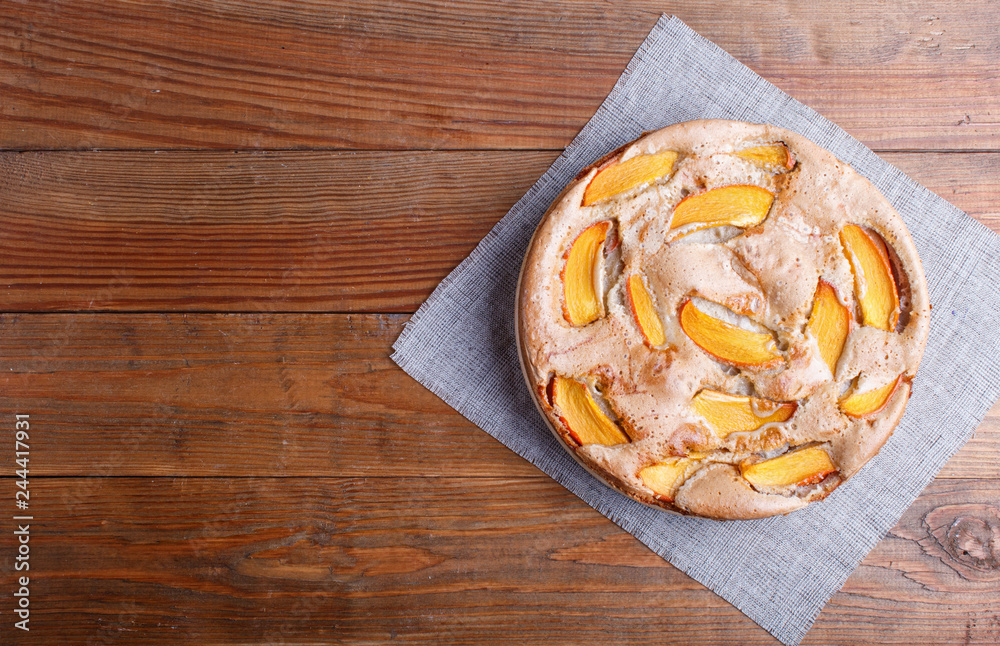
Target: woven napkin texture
(779,571)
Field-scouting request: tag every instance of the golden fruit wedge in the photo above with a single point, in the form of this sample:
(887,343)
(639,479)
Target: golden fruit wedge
(728,342)
(873,281)
(644,312)
(870,401)
(619,178)
(773,157)
(727,413)
(665,477)
(585,421)
(581,274)
(830,323)
(740,206)
(801,467)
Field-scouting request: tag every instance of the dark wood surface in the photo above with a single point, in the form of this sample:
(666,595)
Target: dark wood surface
(215,218)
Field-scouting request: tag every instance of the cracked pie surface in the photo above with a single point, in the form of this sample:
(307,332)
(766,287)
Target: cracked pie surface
(722,319)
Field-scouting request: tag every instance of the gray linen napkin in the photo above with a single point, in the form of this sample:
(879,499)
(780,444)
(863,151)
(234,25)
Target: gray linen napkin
(780,571)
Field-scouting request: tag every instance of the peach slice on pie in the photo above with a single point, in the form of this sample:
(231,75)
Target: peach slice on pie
(774,157)
(644,312)
(581,276)
(801,467)
(873,281)
(630,173)
(728,342)
(830,323)
(581,415)
(665,477)
(740,206)
(727,413)
(871,401)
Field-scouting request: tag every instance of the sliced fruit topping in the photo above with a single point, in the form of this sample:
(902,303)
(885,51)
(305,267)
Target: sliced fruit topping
(727,413)
(830,323)
(644,312)
(584,419)
(728,342)
(871,401)
(619,178)
(581,275)
(801,467)
(665,477)
(740,206)
(773,157)
(873,281)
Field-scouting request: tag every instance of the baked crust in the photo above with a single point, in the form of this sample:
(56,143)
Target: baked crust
(765,275)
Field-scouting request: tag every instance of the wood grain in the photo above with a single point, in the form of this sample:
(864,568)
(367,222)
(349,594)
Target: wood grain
(255,395)
(246,231)
(408,74)
(287,231)
(216,394)
(423,560)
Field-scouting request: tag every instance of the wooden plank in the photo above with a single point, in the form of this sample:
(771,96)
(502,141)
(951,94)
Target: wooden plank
(953,178)
(210,394)
(941,553)
(246,232)
(287,231)
(251,395)
(408,74)
(227,561)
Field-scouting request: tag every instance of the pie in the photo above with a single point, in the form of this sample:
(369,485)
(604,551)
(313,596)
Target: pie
(721,319)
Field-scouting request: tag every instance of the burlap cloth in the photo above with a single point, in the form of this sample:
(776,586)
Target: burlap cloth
(781,571)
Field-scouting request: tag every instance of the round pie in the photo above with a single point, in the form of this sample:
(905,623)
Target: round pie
(722,319)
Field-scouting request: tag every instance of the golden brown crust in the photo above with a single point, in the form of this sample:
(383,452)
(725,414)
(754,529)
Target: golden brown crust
(766,274)
(602,163)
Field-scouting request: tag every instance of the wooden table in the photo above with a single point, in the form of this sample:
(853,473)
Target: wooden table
(215,218)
